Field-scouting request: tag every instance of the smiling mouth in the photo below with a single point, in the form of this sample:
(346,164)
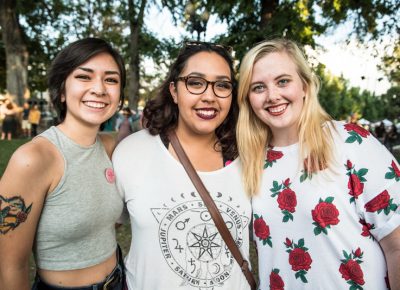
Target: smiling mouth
(95,105)
(206,114)
(277,110)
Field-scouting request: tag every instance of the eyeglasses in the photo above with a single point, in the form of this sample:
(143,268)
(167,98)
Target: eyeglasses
(228,48)
(198,85)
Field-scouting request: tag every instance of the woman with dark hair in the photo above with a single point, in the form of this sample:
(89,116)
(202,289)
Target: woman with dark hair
(175,244)
(64,202)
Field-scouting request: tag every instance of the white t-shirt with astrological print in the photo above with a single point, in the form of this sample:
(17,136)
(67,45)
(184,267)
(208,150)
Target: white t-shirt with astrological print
(175,244)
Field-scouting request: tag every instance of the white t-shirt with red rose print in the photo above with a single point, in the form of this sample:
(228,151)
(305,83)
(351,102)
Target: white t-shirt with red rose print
(322,230)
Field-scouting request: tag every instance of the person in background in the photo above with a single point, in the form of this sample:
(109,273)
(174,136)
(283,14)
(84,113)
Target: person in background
(124,124)
(10,122)
(25,124)
(380,133)
(58,194)
(391,137)
(325,194)
(34,119)
(175,244)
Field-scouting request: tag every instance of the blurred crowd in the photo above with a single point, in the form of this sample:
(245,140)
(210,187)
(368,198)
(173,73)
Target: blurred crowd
(19,121)
(386,131)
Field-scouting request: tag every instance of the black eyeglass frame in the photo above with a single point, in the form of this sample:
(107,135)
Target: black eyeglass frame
(185,79)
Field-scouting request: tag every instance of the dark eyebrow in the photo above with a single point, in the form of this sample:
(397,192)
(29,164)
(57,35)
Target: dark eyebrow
(89,70)
(197,74)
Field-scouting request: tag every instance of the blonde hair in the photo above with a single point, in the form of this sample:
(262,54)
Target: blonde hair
(253,135)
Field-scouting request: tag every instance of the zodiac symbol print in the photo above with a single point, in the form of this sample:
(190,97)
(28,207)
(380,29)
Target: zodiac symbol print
(192,245)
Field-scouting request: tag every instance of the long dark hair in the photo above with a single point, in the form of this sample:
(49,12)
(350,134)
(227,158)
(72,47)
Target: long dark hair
(69,59)
(161,113)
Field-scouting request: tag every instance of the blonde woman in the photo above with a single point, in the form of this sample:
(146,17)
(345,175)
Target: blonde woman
(325,194)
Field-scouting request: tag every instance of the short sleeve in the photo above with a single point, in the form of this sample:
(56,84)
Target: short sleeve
(374,180)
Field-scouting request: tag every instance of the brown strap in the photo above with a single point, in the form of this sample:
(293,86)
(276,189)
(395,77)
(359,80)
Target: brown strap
(212,208)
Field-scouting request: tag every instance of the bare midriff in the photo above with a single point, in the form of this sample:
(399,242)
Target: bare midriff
(80,277)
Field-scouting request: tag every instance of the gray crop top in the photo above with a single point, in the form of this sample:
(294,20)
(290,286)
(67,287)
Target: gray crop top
(77,225)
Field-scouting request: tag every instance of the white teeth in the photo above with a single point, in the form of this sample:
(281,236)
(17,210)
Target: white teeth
(206,112)
(277,109)
(95,105)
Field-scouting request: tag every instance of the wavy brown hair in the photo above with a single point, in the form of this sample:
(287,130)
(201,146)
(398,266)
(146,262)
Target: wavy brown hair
(160,114)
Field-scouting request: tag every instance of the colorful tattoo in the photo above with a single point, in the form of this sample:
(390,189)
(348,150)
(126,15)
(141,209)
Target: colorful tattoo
(12,213)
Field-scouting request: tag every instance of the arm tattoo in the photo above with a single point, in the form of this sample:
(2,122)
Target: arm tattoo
(13,212)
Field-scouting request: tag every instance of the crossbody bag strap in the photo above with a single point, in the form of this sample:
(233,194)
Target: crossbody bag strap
(212,208)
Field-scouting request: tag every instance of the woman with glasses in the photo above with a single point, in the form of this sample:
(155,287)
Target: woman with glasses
(175,244)
(325,193)
(58,196)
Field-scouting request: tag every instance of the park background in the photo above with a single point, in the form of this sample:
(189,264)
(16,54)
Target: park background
(149,34)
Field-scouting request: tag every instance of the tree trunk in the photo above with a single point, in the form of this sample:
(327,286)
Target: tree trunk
(268,8)
(135,24)
(16,52)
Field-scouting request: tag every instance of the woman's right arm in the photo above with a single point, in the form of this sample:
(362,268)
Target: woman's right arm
(23,188)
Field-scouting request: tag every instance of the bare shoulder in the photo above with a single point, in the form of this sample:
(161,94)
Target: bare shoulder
(109,142)
(33,156)
(36,162)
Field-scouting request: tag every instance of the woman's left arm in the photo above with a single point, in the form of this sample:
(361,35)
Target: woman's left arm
(391,247)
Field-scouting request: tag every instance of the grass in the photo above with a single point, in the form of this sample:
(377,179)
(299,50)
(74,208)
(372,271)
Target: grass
(7,148)
(123,232)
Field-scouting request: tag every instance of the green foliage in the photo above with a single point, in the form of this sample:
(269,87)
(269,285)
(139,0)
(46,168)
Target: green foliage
(49,25)
(2,68)
(252,21)
(391,64)
(341,100)
(390,102)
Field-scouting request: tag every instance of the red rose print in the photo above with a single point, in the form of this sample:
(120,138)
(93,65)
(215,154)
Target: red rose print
(288,243)
(287,200)
(395,168)
(394,172)
(300,260)
(349,165)
(366,227)
(358,253)
(380,201)
(286,183)
(275,281)
(261,229)
(273,155)
(355,185)
(351,270)
(325,214)
(359,130)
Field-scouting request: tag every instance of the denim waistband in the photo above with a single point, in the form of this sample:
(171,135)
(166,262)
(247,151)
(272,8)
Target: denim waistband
(114,281)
